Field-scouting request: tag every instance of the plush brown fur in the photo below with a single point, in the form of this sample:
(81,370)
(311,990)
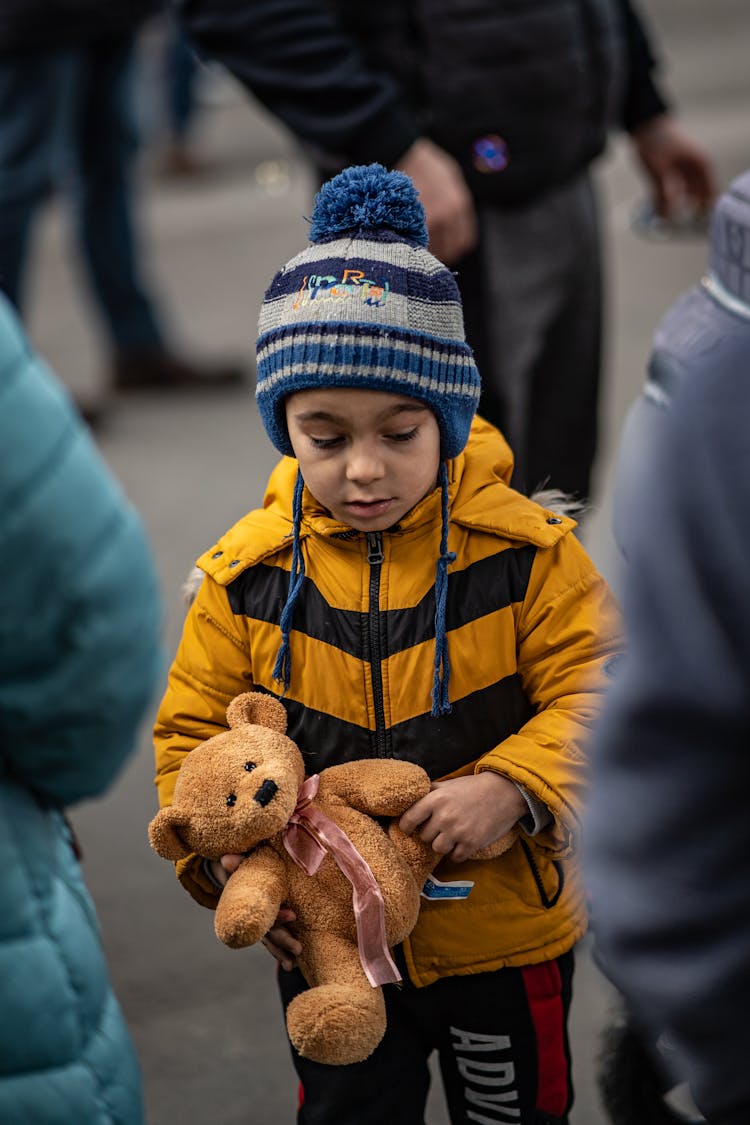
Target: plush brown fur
(341,1018)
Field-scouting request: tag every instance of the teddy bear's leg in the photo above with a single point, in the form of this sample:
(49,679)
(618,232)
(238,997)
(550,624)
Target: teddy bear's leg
(341,1019)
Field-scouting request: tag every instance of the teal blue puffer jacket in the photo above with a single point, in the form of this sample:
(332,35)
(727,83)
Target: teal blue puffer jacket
(79,657)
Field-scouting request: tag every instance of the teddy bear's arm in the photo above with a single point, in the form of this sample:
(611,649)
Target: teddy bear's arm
(377,786)
(251,899)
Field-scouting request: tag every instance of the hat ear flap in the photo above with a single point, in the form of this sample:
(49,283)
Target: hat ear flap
(257,709)
(164,835)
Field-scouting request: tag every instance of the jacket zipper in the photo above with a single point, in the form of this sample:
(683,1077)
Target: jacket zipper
(375,641)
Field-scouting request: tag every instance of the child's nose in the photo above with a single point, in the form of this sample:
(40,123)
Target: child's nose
(364,465)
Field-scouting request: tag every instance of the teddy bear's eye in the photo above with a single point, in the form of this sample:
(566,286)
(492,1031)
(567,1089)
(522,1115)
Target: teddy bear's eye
(232,800)
(249,766)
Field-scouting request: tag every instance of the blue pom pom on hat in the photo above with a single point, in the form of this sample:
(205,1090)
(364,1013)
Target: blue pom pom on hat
(366,305)
(368,197)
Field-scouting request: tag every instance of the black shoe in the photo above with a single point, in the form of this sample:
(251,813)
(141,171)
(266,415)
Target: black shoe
(159,370)
(180,162)
(634,1086)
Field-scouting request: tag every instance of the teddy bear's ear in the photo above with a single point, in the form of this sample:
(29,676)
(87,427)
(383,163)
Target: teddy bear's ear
(259,709)
(164,835)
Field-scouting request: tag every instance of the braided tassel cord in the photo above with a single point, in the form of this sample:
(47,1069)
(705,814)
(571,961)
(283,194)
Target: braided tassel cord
(282,669)
(440,697)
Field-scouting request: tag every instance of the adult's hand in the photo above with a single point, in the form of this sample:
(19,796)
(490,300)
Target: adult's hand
(445,196)
(679,169)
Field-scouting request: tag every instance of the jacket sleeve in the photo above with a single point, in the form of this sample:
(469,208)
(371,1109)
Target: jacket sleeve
(642,96)
(568,632)
(667,834)
(303,66)
(211,667)
(80,613)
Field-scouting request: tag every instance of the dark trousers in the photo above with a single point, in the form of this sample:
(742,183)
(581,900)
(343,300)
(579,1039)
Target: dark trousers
(533,309)
(67,120)
(502,1045)
(182,68)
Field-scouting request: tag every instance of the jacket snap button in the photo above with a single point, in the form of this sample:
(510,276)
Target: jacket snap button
(234,562)
(217,554)
(554,519)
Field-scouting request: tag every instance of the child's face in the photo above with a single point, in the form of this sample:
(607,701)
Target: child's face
(367,456)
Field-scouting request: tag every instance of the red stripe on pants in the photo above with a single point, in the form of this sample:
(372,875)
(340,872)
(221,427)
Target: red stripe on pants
(544,993)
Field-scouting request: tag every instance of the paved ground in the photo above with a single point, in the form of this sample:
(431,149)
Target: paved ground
(205,1020)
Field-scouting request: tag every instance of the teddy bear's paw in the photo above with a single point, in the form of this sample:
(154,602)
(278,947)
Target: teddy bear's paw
(418,855)
(497,847)
(336,1025)
(237,929)
(238,936)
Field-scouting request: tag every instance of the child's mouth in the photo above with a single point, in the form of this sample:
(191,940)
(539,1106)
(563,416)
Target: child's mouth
(368,507)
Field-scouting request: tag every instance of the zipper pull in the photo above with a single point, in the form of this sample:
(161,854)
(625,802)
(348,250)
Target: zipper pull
(374,547)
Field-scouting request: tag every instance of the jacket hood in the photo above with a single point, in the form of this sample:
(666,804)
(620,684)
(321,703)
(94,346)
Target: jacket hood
(479,495)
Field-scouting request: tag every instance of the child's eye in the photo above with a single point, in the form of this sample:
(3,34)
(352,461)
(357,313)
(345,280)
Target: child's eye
(325,443)
(406,435)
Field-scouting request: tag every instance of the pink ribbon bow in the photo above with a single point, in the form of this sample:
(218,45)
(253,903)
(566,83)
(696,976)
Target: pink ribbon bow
(307,837)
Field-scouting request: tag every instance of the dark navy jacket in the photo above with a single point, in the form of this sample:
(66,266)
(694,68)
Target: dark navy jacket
(361,82)
(54,24)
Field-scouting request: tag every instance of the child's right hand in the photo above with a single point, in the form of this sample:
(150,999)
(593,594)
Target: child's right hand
(222,868)
(280,942)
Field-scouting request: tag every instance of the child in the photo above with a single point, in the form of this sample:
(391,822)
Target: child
(405,602)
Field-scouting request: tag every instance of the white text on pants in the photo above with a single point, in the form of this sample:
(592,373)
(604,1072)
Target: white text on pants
(502,1103)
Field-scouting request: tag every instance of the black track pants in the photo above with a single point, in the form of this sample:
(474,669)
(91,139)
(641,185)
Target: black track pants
(502,1043)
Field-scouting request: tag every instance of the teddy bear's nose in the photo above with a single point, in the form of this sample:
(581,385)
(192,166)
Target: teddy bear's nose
(266,793)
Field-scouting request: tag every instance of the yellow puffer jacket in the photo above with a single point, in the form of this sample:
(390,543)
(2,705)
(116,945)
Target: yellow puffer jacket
(530,626)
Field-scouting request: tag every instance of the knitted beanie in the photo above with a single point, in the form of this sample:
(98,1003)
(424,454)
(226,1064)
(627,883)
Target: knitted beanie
(366,305)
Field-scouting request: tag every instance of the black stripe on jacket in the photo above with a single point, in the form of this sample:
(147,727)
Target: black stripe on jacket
(478,722)
(479,589)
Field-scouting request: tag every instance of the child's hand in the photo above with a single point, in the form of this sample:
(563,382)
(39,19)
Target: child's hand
(222,868)
(280,942)
(464,814)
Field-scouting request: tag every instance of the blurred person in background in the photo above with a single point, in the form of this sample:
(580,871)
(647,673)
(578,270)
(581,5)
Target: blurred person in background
(80,620)
(707,326)
(67,70)
(667,834)
(496,111)
(181,80)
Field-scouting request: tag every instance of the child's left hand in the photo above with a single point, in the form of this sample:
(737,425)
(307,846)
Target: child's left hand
(464,814)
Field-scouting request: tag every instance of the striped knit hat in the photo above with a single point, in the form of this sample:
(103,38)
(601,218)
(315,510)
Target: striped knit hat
(366,305)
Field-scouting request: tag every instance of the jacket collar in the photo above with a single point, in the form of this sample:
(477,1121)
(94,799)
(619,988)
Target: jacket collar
(481,498)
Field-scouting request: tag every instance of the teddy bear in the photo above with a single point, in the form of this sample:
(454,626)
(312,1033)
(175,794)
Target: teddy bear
(315,845)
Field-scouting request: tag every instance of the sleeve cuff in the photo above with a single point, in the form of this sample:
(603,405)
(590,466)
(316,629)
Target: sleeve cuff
(208,872)
(191,873)
(538,816)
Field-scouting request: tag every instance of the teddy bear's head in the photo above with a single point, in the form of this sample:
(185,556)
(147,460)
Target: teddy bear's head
(236,789)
